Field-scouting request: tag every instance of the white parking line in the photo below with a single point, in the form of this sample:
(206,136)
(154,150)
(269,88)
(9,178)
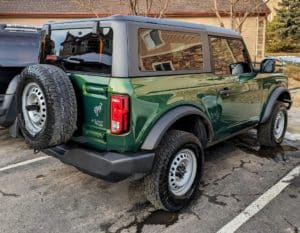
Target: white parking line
(23,163)
(260,202)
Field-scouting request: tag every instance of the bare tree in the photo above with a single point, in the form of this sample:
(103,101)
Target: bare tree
(133,6)
(88,5)
(238,13)
(162,7)
(156,8)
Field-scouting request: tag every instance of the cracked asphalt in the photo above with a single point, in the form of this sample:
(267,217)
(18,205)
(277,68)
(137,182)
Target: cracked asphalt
(48,196)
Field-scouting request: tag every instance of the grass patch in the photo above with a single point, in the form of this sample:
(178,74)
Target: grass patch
(283,54)
(293,73)
(291,70)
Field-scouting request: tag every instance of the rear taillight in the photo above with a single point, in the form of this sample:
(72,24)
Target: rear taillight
(51,58)
(119,114)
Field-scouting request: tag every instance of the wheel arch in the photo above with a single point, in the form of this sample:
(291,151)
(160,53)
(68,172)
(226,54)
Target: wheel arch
(281,94)
(169,119)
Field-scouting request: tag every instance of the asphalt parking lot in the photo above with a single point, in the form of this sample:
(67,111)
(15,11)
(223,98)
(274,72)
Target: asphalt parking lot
(40,194)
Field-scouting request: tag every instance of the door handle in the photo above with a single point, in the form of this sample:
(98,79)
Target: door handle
(225,91)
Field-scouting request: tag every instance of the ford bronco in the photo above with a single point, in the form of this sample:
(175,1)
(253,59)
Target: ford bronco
(134,96)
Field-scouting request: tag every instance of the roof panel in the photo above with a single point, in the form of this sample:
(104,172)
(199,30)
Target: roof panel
(167,22)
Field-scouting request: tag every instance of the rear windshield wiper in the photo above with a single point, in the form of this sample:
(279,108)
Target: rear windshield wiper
(73,60)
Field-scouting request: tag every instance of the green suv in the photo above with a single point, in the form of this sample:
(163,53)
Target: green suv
(134,96)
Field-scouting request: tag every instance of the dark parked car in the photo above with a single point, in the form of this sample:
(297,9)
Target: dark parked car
(18,49)
(125,95)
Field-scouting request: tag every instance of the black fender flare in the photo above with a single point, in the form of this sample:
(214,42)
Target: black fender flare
(274,96)
(166,121)
(13,85)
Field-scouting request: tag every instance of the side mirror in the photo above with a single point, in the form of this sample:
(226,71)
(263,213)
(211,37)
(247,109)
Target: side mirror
(268,65)
(239,68)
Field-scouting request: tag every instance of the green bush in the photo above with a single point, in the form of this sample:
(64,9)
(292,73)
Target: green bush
(283,33)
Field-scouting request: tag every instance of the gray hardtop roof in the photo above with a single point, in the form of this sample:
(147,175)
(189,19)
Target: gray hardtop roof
(167,22)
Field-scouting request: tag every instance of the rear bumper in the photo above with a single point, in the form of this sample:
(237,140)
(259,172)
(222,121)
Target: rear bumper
(109,166)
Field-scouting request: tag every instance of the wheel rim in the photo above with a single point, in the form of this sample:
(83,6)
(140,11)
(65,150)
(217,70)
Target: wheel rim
(182,172)
(279,125)
(34,108)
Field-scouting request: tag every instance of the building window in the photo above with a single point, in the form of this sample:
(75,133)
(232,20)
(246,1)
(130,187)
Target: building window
(152,39)
(163,66)
(164,50)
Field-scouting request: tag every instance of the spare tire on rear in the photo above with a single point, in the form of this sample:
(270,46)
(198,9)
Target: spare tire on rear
(47,107)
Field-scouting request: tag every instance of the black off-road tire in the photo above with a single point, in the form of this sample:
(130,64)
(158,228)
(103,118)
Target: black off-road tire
(265,131)
(60,101)
(200,131)
(156,183)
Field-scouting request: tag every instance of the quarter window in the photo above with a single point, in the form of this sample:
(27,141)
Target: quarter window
(163,50)
(229,56)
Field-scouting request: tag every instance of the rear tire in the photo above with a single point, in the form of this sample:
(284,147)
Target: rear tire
(176,172)
(271,133)
(47,108)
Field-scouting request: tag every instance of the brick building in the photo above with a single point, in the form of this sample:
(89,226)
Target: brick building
(36,12)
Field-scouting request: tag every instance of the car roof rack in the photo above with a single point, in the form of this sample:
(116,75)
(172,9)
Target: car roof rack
(18,28)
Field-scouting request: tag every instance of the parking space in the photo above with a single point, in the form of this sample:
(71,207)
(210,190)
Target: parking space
(48,196)
(281,215)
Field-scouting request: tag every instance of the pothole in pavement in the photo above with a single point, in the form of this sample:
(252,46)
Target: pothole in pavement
(158,217)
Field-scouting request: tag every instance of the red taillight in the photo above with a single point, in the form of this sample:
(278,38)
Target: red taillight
(119,114)
(51,58)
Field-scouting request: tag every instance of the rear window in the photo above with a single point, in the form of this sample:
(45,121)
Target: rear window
(164,50)
(18,49)
(80,49)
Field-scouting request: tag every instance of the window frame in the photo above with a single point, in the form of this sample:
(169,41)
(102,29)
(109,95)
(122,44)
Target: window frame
(133,47)
(228,38)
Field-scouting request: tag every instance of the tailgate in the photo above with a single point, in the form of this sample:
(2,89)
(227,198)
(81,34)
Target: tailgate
(93,105)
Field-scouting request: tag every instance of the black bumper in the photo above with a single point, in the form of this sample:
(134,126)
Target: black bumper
(109,166)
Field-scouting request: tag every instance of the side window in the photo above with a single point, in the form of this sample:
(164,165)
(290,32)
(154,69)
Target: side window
(229,56)
(163,50)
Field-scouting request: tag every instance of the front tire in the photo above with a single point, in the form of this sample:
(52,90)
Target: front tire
(271,133)
(176,172)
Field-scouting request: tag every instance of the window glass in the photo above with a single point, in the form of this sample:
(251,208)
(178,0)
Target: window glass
(81,49)
(229,56)
(163,50)
(18,49)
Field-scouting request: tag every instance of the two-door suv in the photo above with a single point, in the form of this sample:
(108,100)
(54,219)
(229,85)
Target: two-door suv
(133,96)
